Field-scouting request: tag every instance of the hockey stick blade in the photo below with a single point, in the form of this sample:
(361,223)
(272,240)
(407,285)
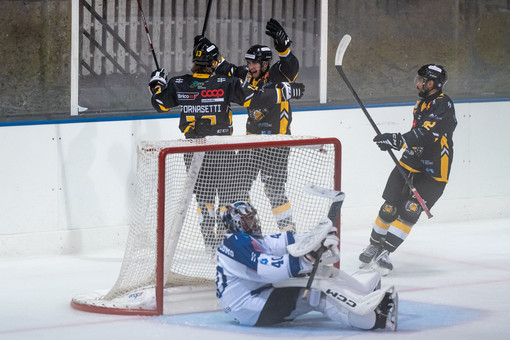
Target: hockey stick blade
(340,51)
(317,190)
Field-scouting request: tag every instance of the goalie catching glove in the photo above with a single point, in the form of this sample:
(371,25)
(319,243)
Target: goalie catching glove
(291,90)
(159,79)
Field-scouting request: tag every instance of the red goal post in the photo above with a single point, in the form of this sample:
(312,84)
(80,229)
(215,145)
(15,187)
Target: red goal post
(167,266)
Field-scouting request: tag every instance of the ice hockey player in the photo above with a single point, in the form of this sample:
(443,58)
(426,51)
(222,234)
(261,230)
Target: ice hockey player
(427,159)
(205,100)
(269,117)
(261,278)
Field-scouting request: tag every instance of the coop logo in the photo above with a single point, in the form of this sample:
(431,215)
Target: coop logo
(187,95)
(212,93)
(211,96)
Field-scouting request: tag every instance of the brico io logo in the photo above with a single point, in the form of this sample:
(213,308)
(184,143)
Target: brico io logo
(212,93)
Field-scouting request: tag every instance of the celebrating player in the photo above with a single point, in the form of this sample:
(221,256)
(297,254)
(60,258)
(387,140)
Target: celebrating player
(427,159)
(269,117)
(205,111)
(261,279)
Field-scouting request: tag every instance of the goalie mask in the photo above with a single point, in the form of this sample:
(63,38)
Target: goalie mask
(242,217)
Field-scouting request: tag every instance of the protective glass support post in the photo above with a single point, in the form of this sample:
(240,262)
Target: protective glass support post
(75,55)
(323,64)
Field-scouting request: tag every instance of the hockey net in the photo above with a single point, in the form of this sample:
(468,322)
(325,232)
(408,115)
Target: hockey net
(169,256)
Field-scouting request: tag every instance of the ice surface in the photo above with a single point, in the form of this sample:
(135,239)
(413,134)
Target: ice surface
(453,281)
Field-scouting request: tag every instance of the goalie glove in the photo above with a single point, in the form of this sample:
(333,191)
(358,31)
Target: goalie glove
(280,38)
(330,256)
(158,82)
(291,90)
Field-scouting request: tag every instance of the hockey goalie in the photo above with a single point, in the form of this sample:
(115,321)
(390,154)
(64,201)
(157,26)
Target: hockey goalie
(264,280)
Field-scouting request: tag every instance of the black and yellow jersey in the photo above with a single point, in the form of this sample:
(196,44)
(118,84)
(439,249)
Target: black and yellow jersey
(270,117)
(429,144)
(205,102)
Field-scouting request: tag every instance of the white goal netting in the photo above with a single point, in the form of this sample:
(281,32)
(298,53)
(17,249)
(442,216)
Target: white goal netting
(191,181)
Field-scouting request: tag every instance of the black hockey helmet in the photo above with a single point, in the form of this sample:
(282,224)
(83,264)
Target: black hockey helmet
(434,72)
(259,53)
(204,53)
(242,217)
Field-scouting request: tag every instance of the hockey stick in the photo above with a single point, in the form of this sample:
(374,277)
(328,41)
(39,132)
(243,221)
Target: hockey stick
(333,214)
(206,17)
(342,46)
(148,34)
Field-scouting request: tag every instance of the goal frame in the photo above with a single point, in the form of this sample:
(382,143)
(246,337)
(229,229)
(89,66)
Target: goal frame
(160,229)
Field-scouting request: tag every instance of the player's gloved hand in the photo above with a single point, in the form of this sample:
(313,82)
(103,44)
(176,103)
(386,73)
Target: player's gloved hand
(329,257)
(331,240)
(387,141)
(291,90)
(158,82)
(201,39)
(280,38)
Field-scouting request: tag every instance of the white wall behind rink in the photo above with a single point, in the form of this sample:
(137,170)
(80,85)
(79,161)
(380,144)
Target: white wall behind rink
(69,187)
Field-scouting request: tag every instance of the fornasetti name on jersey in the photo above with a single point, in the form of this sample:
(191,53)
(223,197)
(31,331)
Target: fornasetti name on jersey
(212,108)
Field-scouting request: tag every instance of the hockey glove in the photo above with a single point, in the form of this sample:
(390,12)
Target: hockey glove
(387,141)
(159,79)
(330,256)
(280,38)
(201,39)
(291,90)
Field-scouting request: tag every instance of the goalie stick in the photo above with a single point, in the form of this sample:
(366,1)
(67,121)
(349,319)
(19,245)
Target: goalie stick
(333,214)
(148,34)
(342,46)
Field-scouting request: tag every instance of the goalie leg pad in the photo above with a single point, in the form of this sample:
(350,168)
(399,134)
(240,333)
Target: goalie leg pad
(347,294)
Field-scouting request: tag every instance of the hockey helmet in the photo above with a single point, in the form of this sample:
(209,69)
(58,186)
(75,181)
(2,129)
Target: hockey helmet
(259,53)
(242,217)
(205,53)
(434,72)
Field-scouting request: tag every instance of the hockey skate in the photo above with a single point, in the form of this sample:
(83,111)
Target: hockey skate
(368,255)
(387,312)
(382,263)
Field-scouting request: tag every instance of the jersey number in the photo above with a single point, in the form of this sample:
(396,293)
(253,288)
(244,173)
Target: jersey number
(211,118)
(277,261)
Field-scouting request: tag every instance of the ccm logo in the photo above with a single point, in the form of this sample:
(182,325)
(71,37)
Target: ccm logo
(212,93)
(341,298)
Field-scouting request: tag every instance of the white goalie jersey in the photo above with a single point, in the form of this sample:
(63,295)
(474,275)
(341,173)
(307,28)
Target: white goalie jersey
(247,267)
